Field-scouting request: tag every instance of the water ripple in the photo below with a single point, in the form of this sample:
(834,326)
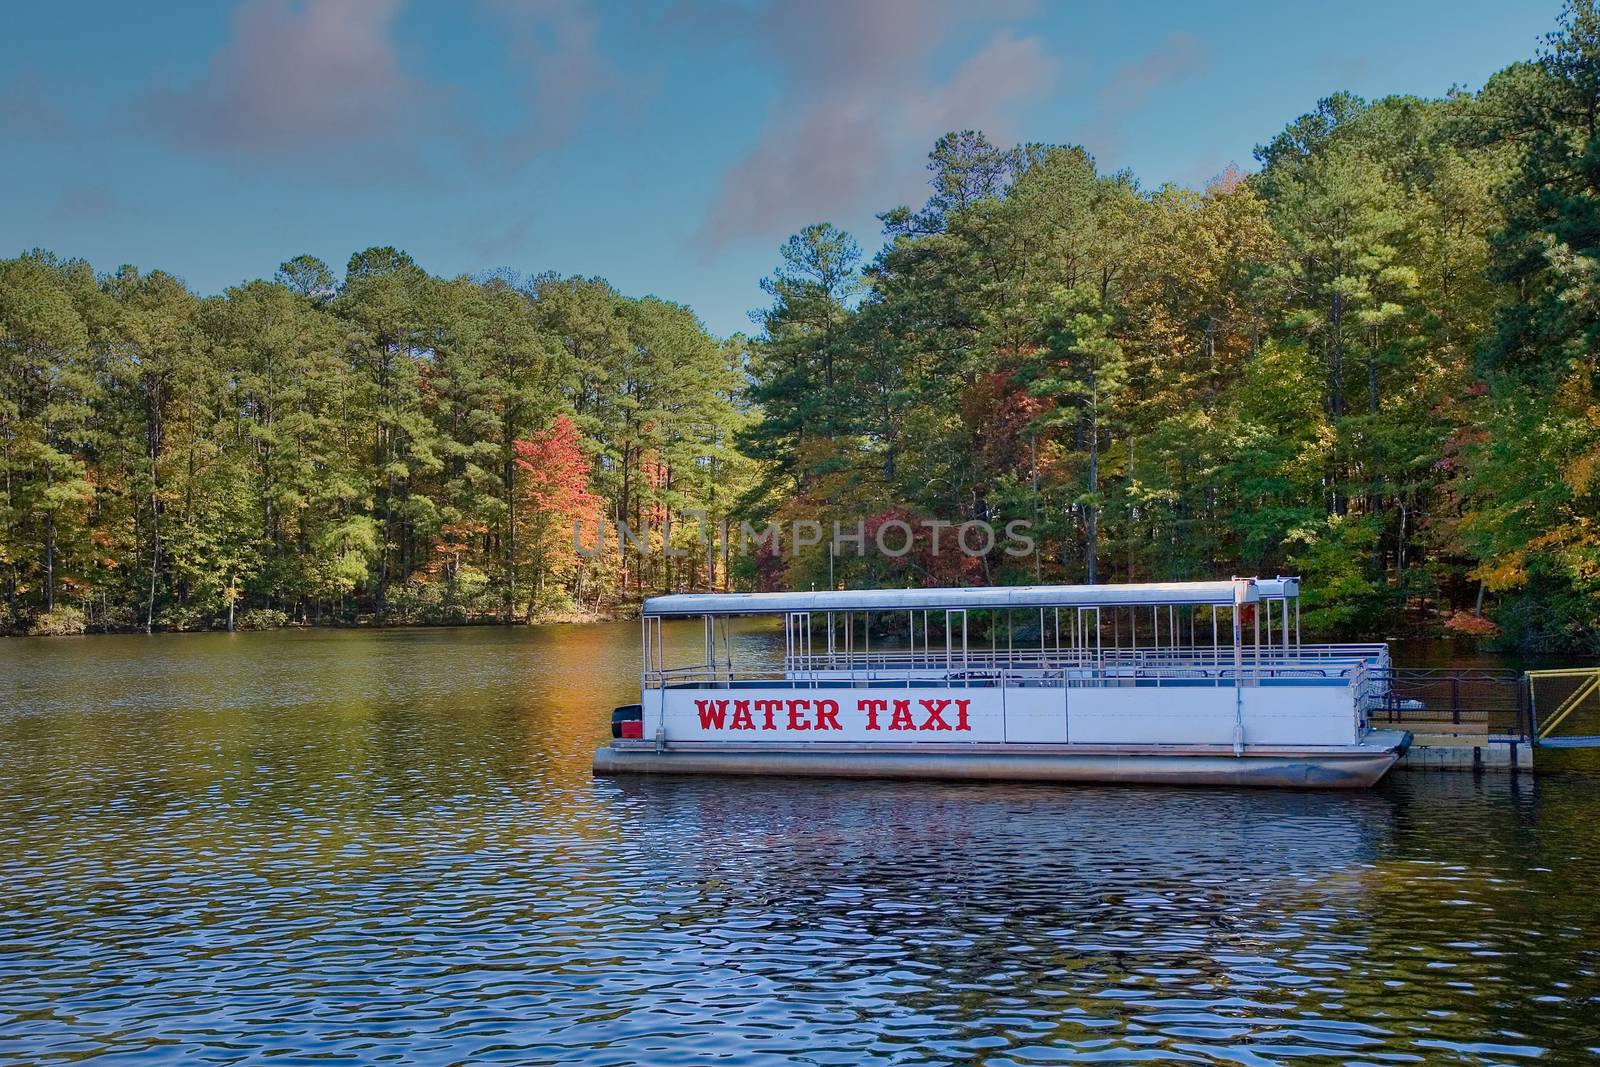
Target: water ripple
(387,848)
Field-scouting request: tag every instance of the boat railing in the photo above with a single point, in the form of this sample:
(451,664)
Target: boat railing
(1374,651)
(1369,691)
(1018,675)
(1052,659)
(941,659)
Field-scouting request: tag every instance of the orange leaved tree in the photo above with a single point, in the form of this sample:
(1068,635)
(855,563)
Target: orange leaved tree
(553,476)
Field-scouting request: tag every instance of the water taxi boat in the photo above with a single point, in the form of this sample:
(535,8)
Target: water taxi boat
(1203,683)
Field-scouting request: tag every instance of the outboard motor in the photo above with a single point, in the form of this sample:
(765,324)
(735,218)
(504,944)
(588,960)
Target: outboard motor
(627,722)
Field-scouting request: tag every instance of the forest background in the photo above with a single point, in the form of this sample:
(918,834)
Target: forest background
(1372,362)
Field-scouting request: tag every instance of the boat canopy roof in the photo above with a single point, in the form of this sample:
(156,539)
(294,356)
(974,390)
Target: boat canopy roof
(1226,594)
(1279,588)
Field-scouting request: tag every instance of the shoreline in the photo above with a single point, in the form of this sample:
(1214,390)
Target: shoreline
(623,612)
(619,613)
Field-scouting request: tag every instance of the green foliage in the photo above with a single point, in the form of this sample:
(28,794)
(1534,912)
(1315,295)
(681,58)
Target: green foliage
(306,449)
(1342,596)
(1373,361)
(1532,516)
(181,618)
(58,622)
(263,619)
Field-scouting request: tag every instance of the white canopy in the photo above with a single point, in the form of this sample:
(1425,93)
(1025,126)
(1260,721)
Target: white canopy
(1279,588)
(1226,594)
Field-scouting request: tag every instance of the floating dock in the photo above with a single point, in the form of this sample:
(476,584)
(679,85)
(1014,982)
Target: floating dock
(1489,720)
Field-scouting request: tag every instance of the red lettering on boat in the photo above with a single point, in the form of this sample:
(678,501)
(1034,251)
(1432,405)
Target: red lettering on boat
(713,713)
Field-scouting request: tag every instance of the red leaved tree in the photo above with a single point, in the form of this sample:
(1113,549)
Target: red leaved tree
(553,491)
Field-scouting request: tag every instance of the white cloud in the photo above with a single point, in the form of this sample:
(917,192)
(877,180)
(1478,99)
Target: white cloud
(861,104)
(295,78)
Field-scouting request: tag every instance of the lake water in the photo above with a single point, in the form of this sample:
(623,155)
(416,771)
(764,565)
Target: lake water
(357,847)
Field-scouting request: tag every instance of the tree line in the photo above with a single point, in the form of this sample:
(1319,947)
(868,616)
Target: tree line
(1371,362)
(389,446)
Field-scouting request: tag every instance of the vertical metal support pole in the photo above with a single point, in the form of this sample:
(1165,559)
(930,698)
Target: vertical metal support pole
(1255,617)
(911,636)
(965,663)
(1099,645)
(1532,697)
(866,642)
(850,640)
(1238,680)
(810,650)
(1238,643)
(911,660)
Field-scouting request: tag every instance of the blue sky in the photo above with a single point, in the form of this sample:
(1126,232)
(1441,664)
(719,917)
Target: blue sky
(669,146)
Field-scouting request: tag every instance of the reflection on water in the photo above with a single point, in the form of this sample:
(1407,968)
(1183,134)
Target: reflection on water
(365,846)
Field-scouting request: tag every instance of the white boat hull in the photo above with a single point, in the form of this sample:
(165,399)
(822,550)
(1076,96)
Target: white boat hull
(1346,767)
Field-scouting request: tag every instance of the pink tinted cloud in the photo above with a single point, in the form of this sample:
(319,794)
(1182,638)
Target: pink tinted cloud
(1007,71)
(325,77)
(295,78)
(806,170)
(859,106)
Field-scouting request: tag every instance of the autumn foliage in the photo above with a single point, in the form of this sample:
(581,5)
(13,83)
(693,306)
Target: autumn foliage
(553,487)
